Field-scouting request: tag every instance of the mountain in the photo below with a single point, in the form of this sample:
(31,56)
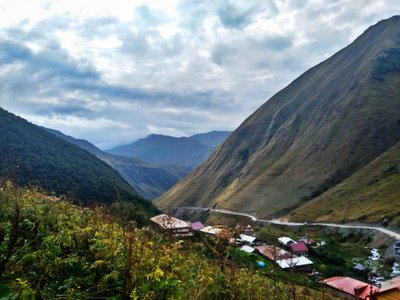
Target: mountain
(374,190)
(211,139)
(325,126)
(147,179)
(30,155)
(167,150)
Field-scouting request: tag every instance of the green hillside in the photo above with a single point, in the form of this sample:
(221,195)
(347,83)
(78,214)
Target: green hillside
(149,180)
(32,156)
(326,125)
(369,195)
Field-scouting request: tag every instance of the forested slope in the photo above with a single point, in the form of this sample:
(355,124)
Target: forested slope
(31,156)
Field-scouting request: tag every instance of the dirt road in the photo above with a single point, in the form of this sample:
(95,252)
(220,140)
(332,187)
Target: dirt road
(384,230)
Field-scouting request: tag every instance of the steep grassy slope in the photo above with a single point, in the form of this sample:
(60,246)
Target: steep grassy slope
(327,124)
(149,180)
(30,155)
(167,150)
(369,195)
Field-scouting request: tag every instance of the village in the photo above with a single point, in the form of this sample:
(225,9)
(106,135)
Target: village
(297,257)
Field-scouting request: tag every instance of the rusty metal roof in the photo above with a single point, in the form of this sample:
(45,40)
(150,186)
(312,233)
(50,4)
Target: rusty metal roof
(351,286)
(168,222)
(274,253)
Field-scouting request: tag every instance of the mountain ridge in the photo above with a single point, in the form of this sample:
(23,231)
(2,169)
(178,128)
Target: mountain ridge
(163,149)
(147,179)
(308,137)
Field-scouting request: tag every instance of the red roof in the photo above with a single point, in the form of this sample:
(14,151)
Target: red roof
(299,247)
(351,286)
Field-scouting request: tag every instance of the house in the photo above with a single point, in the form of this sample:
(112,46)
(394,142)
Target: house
(244,238)
(308,242)
(249,230)
(171,225)
(274,253)
(221,231)
(350,286)
(197,226)
(298,263)
(213,230)
(247,249)
(299,249)
(390,293)
(285,241)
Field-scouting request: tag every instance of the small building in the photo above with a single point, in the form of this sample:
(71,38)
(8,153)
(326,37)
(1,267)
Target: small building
(298,263)
(247,249)
(249,230)
(286,241)
(171,225)
(244,238)
(351,286)
(220,231)
(274,253)
(196,226)
(389,293)
(299,249)
(213,230)
(308,242)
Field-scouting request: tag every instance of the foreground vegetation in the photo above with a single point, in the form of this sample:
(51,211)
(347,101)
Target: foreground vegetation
(57,250)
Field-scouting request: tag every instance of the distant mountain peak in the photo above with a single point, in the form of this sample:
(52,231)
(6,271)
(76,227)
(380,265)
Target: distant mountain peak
(165,150)
(147,179)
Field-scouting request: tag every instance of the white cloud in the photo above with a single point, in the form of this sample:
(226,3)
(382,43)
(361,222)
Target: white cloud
(122,69)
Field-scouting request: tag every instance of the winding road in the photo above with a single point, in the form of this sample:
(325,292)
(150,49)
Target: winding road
(387,231)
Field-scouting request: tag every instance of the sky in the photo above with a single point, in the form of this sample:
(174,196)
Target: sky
(115,71)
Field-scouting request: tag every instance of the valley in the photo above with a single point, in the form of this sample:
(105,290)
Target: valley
(227,150)
(392,233)
(149,180)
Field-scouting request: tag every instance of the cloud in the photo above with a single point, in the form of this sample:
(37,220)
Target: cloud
(236,16)
(11,52)
(223,54)
(277,44)
(239,14)
(113,72)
